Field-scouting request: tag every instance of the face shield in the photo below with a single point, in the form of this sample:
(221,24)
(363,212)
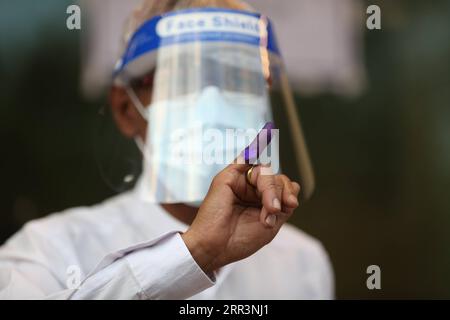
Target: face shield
(207,80)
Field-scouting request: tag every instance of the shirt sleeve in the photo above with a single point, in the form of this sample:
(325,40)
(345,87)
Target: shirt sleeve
(327,286)
(159,269)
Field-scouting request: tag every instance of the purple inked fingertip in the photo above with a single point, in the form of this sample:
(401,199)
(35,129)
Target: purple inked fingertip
(259,144)
(269,126)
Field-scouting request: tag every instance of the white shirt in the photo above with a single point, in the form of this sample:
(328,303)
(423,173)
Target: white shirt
(125,248)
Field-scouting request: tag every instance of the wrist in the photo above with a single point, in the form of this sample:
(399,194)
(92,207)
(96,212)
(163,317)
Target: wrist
(200,253)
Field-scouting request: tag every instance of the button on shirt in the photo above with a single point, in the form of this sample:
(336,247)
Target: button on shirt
(125,248)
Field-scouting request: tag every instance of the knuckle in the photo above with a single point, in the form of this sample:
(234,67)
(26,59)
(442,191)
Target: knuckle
(279,187)
(227,177)
(217,180)
(297,187)
(270,186)
(266,181)
(286,183)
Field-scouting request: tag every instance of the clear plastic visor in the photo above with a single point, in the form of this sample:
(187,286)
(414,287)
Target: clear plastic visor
(207,81)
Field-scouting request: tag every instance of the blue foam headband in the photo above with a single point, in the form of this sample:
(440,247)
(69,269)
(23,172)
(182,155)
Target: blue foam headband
(199,25)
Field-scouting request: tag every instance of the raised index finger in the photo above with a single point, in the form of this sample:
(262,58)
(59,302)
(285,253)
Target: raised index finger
(249,156)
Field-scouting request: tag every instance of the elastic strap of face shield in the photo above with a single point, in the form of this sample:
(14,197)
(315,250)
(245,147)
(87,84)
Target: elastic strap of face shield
(136,102)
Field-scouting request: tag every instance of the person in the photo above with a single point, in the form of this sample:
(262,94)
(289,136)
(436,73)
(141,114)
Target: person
(234,244)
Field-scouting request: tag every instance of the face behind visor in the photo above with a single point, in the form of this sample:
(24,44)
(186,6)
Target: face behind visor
(216,71)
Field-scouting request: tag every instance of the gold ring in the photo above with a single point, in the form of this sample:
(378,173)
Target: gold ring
(248,176)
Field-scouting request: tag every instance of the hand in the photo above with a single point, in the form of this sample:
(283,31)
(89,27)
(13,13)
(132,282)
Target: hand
(236,219)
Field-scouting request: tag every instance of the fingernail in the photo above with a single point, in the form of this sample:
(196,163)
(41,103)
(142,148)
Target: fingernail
(293,199)
(276,204)
(271,220)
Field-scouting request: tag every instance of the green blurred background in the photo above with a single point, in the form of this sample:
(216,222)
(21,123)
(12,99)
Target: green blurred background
(382,160)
